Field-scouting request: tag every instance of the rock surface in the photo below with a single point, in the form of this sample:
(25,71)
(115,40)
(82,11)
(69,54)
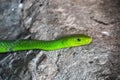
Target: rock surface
(48,19)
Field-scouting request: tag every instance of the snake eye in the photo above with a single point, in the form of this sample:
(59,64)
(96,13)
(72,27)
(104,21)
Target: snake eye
(78,39)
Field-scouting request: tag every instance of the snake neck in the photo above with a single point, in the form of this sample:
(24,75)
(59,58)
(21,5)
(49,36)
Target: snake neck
(51,45)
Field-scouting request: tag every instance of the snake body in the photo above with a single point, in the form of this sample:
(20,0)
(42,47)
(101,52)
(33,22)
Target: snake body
(31,44)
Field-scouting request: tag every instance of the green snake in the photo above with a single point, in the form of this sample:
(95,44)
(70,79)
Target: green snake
(47,45)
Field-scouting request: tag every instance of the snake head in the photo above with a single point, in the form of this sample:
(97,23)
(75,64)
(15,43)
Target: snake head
(77,40)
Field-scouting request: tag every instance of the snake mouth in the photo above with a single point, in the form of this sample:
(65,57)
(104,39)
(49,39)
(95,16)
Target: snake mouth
(90,40)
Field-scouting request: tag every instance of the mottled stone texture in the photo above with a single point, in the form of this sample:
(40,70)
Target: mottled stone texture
(48,19)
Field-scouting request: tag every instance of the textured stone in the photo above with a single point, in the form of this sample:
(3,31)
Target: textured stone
(49,19)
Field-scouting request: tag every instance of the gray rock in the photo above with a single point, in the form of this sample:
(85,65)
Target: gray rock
(49,19)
